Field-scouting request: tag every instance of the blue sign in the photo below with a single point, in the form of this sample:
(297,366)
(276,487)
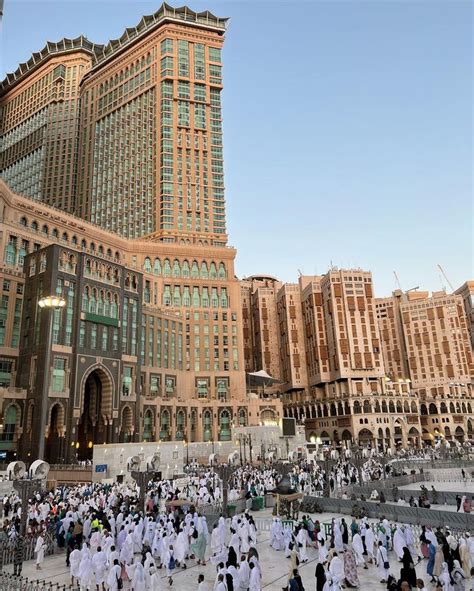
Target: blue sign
(3,455)
(101,468)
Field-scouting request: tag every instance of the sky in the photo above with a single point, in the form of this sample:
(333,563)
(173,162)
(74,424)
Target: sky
(348,128)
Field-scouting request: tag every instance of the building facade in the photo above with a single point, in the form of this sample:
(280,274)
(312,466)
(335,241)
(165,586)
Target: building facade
(426,343)
(466,291)
(362,358)
(145,179)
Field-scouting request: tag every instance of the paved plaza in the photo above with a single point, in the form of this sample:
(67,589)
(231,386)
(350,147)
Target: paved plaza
(274,564)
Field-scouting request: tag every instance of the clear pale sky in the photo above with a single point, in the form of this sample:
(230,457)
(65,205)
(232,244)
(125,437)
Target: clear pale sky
(348,128)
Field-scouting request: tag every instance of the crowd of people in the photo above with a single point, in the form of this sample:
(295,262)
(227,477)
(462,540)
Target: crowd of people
(110,539)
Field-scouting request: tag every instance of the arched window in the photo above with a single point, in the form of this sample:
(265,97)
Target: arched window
(92,246)
(213,270)
(176,297)
(45,230)
(157,267)
(164,424)
(93,302)
(65,237)
(224,426)
(384,406)
(180,424)
(74,240)
(367,409)
(433,409)
(166,268)
(9,428)
(23,222)
(185,269)
(114,307)
(204,271)
(196,298)
(195,270)
(224,299)
(176,268)
(147,265)
(207,425)
(399,406)
(391,406)
(222,271)
(357,408)
(85,300)
(34,226)
(148,426)
(83,243)
(242,417)
(55,233)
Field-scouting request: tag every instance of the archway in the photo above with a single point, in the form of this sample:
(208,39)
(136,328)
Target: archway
(96,419)
(56,431)
(365,437)
(459,434)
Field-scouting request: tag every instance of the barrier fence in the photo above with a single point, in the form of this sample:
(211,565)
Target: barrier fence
(459,522)
(7,549)
(10,582)
(388,483)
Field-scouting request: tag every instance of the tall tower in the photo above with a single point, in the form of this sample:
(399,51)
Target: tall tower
(39,107)
(151,159)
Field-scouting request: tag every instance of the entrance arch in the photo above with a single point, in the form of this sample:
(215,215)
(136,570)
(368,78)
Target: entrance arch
(96,416)
(56,431)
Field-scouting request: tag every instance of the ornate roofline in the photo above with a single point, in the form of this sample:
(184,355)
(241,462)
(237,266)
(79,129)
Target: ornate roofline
(183,15)
(102,53)
(39,58)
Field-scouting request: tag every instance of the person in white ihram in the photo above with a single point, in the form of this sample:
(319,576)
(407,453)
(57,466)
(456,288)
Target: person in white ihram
(39,551)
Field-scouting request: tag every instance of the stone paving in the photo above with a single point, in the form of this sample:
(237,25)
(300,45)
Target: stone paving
(274,565)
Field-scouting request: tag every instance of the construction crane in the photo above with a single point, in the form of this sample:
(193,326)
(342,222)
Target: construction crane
(446,277)
(398,281)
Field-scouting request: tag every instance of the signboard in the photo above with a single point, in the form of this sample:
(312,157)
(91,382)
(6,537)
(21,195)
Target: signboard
(3,455)
(101,468)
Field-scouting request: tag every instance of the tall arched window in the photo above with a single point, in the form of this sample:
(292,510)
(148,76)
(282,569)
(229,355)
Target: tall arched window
(204,271)
(166,268)
(147,265)
(176,268)
(185,269)
(157,267)
(9,428)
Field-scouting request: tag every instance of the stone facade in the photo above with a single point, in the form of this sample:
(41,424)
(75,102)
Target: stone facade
(356,378)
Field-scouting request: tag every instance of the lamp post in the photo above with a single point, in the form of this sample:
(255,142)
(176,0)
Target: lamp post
(50,304)
(225,473)
(239,440)
(186,444)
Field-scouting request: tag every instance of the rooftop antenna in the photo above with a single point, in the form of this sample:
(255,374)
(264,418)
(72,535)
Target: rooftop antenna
(446,277)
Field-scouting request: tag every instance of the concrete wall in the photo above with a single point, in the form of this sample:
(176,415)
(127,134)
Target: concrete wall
(175,454)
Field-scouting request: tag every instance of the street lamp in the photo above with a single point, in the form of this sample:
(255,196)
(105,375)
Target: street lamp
(50,304)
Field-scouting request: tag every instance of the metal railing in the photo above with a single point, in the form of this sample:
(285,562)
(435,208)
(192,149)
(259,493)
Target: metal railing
(7,549)
(9,582)
(457,522)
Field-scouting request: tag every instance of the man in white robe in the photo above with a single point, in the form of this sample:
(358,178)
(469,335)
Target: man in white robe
(99,564)
(40,548)
(382,563)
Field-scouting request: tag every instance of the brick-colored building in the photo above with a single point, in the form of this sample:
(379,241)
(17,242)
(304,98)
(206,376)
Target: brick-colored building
(350,365)
(466,291)
(426,342)
(128,137)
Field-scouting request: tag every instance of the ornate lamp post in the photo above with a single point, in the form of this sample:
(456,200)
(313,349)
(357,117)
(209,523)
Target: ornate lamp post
(26,485)
(49,304)
(142,479)
(225,472)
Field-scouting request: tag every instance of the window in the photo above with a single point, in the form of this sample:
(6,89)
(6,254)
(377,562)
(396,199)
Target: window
(59,374)
(127,381)
(5,372)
